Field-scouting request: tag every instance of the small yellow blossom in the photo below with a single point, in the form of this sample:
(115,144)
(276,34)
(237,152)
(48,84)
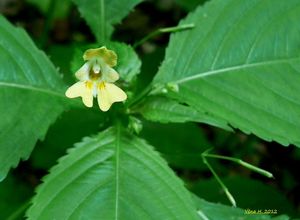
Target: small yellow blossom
(96,78)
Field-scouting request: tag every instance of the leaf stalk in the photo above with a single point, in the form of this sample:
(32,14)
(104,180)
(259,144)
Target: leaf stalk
(225,189)
(242,163)
(163,30)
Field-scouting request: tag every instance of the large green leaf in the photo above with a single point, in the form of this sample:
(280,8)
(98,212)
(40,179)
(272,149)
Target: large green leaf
(241,63)
(101,15)
(164,110)
(113,175)
(31,95)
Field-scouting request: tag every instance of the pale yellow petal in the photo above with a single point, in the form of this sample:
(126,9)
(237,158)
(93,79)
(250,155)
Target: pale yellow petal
(116,94)
(87,99)
(83,73)
(109,93)
(80,89)
(110,75)
(75,90)
(103,98)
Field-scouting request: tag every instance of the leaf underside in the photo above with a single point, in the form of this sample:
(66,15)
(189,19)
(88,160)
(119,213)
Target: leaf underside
(165,110)
(238,69)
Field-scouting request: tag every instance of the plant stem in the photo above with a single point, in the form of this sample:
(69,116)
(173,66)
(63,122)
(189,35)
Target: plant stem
(242,163)
(48,20)
(147,90)
(236,160)
(140,96)
(228,194)
(163,30)
(102,23)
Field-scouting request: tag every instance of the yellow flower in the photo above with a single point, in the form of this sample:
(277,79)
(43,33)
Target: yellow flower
(96,78)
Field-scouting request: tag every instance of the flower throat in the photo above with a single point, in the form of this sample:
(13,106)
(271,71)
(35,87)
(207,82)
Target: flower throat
(94,76)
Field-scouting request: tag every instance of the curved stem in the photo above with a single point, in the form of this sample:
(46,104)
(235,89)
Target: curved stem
(140,96)
(228,194)
(48,20)
(236,160)
(163,30)
(242,163)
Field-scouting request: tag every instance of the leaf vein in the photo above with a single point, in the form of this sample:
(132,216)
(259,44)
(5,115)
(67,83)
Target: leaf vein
(234,68)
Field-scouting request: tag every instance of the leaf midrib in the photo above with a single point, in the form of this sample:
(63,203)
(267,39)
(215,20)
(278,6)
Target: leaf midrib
(31,88)
(235,68)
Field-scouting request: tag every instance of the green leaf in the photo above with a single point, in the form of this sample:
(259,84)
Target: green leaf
(129,64)
(238,69)
(31,95)
(101,15)
(113,175)
(164,110)
(212,211)
(242,189)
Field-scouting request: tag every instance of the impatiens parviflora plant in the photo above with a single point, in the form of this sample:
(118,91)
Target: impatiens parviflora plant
(96,79)
(227,70)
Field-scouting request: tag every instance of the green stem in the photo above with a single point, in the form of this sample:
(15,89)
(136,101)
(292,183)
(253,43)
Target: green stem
(163,30)
(148,89)
(239,161)
(242,163)
(18,212)
(102,23)
(140,96)
(228,194)
(49,18)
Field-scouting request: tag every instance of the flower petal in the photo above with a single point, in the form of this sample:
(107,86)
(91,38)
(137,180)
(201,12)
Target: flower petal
(109,56)
(83,73)
(110,75)
(109,93)
(83,90)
